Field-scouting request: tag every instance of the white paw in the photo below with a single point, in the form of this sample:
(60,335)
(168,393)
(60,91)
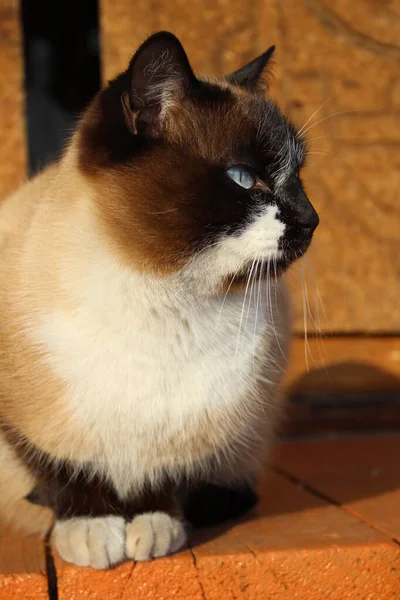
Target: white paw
(91,542)
(152,535)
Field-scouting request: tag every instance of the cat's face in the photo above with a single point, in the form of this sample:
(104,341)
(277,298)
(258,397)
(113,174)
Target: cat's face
(196,176)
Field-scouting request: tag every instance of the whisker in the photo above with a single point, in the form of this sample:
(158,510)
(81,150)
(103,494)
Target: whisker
(250,295)
(310,313)
(261,270)
(306,345)
(257,279)
(318,137)
(307,312)
(243,307)
(226,295)
(319,152)
(342,112)
(319,298)
(320,335)
(163,212)
(276,279)
(206,249)
(313,115)
(269,300)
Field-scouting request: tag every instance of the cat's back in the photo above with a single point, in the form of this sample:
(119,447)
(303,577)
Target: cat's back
(17,211)
(26,219)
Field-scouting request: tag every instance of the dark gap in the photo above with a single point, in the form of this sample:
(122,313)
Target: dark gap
(51,573)
(339,434)
(328,499)
(326,400)
(304,485)
(62,71)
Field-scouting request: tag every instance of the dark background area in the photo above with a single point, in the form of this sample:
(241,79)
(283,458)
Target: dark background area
(62,71)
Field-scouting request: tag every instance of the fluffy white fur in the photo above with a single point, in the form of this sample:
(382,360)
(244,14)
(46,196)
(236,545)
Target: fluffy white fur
(153,535)
(91,542)
(145,359)
(105,541)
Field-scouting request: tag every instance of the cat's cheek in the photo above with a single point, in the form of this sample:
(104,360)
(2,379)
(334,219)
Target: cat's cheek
(258,241)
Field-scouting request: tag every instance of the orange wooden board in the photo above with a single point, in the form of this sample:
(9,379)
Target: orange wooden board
(296,545)
(362,474)
(22,566)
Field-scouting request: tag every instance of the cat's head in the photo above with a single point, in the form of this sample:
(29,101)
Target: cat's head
(195,175)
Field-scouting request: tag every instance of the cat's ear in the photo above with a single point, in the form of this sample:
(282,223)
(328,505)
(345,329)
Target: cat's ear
(249,76)
(159,76)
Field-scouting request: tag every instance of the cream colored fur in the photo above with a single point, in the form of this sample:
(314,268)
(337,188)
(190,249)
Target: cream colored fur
(128,372)
(105,541)
(15,484)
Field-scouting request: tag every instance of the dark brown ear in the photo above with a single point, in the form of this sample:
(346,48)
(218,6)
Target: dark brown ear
(249,76)
(159,76)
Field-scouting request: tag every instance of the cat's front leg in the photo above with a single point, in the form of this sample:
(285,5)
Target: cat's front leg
(97,542)
(157,527)
(90,527)
(101,542)
(154,534)
(95,528)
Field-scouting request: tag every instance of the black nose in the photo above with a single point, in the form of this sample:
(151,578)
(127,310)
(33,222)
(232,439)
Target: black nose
(309,219)
(304,214)
(307,216)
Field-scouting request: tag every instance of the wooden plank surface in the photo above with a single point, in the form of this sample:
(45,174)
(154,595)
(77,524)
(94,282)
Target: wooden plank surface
(12,123)
(294,546)
(361,474)
(22,566)
(330,59)
(327,526)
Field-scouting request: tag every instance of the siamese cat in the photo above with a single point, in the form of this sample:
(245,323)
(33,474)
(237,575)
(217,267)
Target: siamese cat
(144,322)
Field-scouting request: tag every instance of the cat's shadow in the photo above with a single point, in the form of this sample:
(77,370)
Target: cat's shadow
(346,456)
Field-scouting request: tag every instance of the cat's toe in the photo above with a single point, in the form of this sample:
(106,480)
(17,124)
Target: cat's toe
(152,535)
(91,542)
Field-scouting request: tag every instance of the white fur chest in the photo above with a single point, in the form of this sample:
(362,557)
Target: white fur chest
(141,380)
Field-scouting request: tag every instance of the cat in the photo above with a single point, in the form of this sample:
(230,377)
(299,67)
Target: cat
(144,321)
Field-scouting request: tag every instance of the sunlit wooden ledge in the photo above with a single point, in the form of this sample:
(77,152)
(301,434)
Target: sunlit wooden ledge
(327,526)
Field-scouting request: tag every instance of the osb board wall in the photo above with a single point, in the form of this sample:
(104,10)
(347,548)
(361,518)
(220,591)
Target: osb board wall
(12,134)
(339,58)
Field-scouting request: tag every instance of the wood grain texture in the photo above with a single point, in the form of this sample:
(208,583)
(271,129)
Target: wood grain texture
(12,120)
(332,58)
(327,526)
(293,546)
(360,473)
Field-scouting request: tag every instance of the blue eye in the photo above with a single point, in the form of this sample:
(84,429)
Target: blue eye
(242,176)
